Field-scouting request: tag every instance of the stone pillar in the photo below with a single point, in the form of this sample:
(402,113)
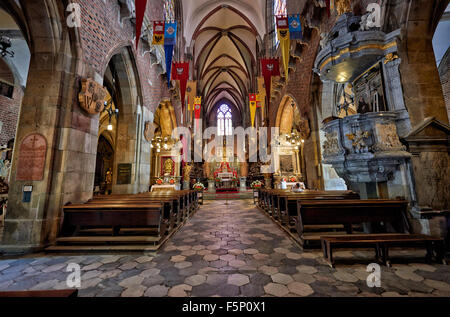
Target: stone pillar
(71,142)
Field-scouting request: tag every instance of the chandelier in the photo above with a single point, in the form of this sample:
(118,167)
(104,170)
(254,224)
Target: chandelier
(5,44)
(163,143)
(295,139)
(108,108)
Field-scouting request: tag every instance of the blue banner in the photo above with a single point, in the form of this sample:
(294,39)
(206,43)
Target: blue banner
(170,33)
(295,27)
(168,49)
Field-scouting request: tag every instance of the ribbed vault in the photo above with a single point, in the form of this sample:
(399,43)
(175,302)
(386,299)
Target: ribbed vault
(225,46)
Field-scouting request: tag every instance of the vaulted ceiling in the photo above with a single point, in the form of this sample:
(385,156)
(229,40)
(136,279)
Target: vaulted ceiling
(224,38)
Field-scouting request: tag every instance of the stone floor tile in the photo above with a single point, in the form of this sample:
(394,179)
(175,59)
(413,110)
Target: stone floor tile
(276,289)
(300,289)
(281,278)
(156,291)
(238,279)
(179,290)
(195,280)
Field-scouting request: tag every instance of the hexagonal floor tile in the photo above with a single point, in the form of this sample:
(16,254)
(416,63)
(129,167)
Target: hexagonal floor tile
(177,258)
(195,280)
(281,278)
(238,279)
(301,289)
(276,289)
(269,270)
(211,257)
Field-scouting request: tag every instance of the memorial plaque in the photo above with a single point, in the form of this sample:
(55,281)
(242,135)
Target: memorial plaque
(124,174)
(32,152)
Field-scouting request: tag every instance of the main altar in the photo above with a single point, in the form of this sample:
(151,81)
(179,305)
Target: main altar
(226,177)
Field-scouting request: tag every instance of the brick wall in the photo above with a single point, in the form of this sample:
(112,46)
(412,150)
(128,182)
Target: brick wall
(9,114)
(444,74)
(102,35)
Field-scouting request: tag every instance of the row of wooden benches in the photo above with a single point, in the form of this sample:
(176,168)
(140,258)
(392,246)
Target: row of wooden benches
(160,211)
(297,211)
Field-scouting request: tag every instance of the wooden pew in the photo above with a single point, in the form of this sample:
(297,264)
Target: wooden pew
(287,202)
(68,293)
(172,211)
(169,213)
(381,243)
(349,212)
(116,216)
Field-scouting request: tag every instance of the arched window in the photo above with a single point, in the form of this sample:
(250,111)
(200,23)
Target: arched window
(169,10)
(279,8)
(224,121)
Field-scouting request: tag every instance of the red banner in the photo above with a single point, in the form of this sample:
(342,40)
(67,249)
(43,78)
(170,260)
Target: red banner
(282,22)
(180,71)
(140,6)
(270,67)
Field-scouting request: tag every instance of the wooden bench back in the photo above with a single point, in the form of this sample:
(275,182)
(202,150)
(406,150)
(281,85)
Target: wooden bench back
(351,211)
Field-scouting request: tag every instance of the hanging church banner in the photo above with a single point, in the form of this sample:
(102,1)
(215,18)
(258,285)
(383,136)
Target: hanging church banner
(191,90)
(197,110)
(295,27)
(170,33)
(285,43)
(168,50)
(261,97)
(158,32)
(252,103)
(270,68)
(140,6)
(180,71)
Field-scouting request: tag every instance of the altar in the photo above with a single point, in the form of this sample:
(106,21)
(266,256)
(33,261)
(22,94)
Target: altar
(163,188)
(226,177)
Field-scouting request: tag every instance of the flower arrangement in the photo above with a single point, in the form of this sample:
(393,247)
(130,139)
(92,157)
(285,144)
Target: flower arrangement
(217,179)
(256,184)
(159,181)
(199,186)
(292,179)
(171,181)
(284,179)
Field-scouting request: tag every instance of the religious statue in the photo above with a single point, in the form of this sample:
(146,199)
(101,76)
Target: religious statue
(108,180)
(343,6)
(168,166)
(5,167)
(187,172)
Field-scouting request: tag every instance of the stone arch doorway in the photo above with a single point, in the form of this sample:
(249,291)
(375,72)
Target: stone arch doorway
(104,164)
(131,164)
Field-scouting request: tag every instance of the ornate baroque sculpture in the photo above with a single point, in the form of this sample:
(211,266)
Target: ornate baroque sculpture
(388,138)
(359,141)
(187,172)
(331,144)
(343,6)
(168,166)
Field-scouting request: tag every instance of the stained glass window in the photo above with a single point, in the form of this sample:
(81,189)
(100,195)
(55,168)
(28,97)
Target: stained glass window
(224,121)
(279,8)
(169,10)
